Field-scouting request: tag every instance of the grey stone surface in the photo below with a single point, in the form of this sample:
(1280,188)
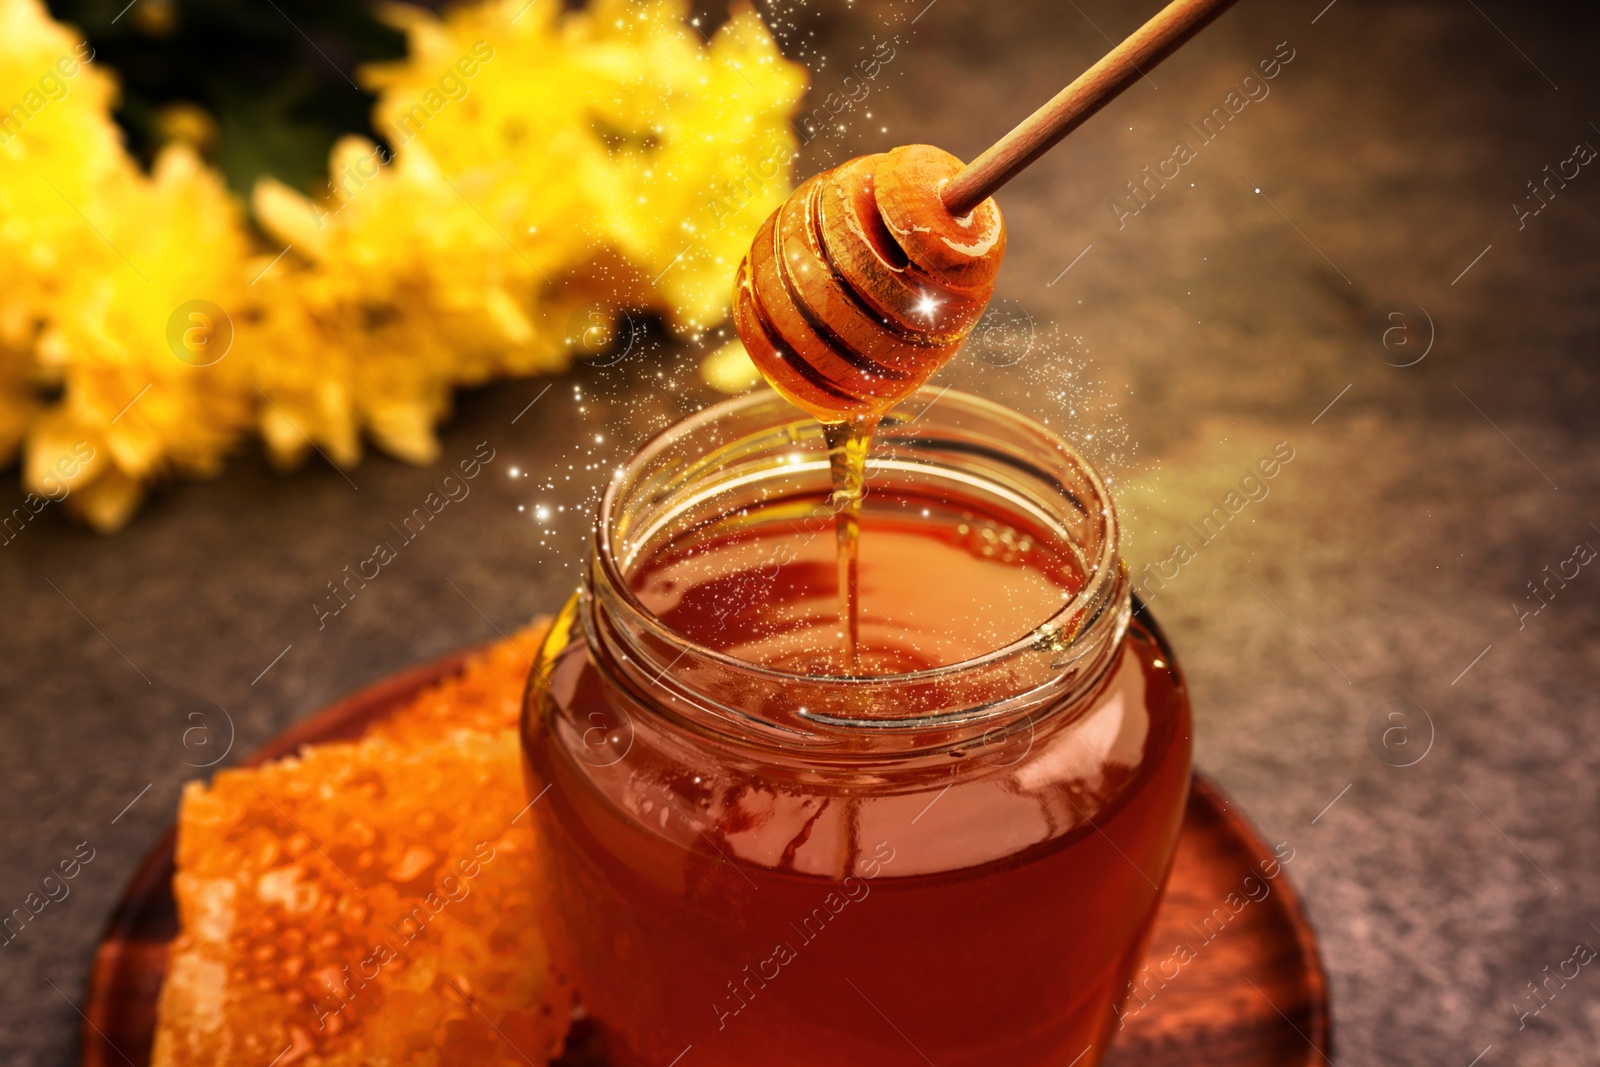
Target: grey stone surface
(1385,563)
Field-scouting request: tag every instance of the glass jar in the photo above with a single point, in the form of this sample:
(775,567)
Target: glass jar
(953,858)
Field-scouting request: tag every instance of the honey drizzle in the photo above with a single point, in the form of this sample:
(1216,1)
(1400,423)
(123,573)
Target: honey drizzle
(847,466)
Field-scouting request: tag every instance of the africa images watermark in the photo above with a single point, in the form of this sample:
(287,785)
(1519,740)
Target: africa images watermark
(1253,488)
(55,889)
(343,986)
(451,87)
(863,73)
(52,86)
(1541,994)
(452,490)
(731,196)
(852,890)
(1145,986)
(1142,192)
(1582,555)
(1583,154)
(57,486)
(1400,733)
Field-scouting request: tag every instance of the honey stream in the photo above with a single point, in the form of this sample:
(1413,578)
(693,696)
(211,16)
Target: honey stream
(847,465)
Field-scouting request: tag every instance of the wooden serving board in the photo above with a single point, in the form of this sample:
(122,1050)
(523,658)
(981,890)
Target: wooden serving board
(1245,989)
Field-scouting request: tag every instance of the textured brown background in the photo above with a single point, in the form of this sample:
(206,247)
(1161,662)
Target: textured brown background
(1219,321)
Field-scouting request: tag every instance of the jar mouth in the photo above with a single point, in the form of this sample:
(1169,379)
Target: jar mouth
(947,434)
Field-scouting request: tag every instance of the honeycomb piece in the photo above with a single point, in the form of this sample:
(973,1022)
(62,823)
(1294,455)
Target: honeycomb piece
(368,903)
(486,695)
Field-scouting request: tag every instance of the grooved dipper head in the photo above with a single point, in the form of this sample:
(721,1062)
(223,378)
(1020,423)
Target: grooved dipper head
(862,285)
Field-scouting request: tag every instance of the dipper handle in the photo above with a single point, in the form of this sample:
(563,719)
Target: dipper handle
(1072,106)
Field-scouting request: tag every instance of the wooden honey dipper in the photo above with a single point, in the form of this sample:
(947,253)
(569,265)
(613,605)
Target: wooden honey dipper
(871,275)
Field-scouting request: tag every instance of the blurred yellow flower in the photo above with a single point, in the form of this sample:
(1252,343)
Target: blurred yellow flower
(59,154)
(140,388)
(730,369)
(539,162)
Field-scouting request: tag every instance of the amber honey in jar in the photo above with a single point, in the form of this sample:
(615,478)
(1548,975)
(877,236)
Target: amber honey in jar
(948,853)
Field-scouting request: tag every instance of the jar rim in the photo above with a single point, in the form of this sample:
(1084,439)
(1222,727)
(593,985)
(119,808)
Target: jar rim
(1102,572)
